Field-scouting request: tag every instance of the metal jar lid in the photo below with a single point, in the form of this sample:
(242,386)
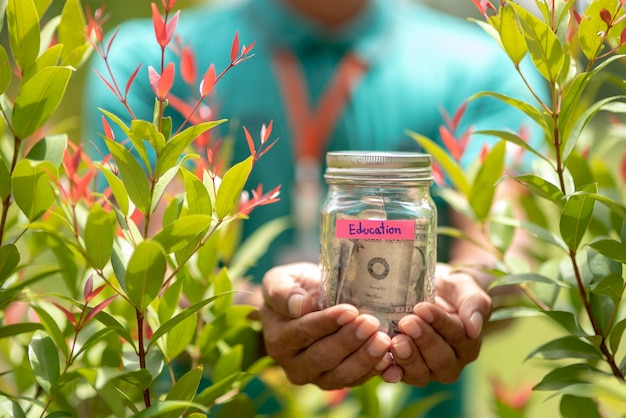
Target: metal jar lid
(396,166)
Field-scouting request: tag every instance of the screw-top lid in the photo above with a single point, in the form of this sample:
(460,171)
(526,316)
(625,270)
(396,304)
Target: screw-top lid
(410,167)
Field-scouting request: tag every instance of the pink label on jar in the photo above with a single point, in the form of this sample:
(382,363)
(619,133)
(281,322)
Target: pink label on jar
(369,229)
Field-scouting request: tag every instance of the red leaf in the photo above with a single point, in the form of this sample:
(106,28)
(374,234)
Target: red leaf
(170,28)
(246,49)
(622,38)
(606,17)
(95,311)
(624,168)
(108,132)
(250,141)
(458,115)
(94,293)
(188,68)
(266,132)
(484,151)
(130,81)
(70,316)
(161,84)
(450,143)
(208,81)
(159,26)
(234,50)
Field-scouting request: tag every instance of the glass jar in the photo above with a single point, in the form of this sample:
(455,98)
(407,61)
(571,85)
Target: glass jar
(378,233)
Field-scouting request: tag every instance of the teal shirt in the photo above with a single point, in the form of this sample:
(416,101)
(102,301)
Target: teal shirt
(420,62)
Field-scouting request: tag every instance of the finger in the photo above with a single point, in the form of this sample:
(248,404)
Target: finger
(360,365)
(437,354)
(407,356)
(465,296)
(292,290)
(286,336)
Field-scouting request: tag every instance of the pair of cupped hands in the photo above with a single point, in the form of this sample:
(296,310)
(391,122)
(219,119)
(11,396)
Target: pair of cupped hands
(338,347)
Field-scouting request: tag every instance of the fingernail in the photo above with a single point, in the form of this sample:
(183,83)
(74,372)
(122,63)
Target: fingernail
(403,349)
(477,320)
(364,330)
(346,317)
(427,315)
(294,305)
(377,348)
(412,329)
(392,375)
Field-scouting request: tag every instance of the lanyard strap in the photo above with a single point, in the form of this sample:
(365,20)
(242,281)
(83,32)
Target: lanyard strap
(311,128)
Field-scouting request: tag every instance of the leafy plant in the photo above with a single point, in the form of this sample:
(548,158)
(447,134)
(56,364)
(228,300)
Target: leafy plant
(113,273)
(572,203)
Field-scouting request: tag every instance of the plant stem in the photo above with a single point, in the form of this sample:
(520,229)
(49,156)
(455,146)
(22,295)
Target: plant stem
(142,355)
(594,323)
(6,203)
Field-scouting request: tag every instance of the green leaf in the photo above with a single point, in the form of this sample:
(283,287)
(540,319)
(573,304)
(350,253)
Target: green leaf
(591,25)
(196,194)
(38,98)
(163,329)
(228,363)
(576,406)
(99,236)
(165,408)
(32,187)
(72,32)
(180,336)
(222,286)
(160,187)
(613,249)
(615,338)
(111,322)
(8,407)
(240,406)
(544,46)
(185,388)
(514,138)
(118,190)
(449,166)
(5,180)
(571,137)
(576,216)
(51,148)
(52,329)
(565,376)
(175,235)
(541,187)
(209,395)
(5,70)
(49,58)
(603,308)
(141,130)
(174,148)
(483,188)
(21,328)
(145,274)
(256,245)
(514,279)
(23,25)
(566,347)
(511,35)
(9,259)
(231,187)
(611,286)
(536,231)
(515,312)
(133,176)
(568,321)
(94,339)
(42,6)
(44,360)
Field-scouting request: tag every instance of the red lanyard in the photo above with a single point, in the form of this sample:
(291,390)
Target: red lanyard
(311,128)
